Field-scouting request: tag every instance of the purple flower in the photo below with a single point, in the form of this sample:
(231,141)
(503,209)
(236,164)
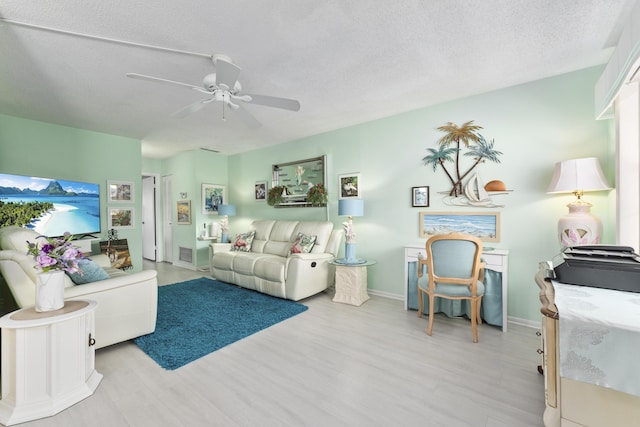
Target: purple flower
(45,260)
(71,253)
(56,254)
(47,248)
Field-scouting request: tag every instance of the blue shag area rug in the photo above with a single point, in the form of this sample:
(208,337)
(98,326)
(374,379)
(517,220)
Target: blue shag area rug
(200,316)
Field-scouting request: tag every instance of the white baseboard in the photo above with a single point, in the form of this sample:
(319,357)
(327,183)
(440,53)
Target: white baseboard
(386,294)
(525,322)
(510,319)
(184,265)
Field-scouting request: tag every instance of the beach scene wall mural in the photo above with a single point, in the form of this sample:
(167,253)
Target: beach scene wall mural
(49,206)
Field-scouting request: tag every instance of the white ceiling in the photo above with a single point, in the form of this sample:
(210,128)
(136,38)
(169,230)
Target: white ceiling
(347,62)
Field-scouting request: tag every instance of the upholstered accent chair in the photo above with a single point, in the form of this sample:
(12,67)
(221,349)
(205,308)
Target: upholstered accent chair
(454,271)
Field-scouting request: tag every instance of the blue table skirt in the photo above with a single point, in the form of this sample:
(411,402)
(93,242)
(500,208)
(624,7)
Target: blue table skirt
(491,308)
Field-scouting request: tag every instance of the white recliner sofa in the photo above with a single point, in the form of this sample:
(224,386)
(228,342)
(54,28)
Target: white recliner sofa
(127,303)
(267,264)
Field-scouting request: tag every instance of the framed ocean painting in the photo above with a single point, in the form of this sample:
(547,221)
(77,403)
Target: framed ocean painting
(485,225)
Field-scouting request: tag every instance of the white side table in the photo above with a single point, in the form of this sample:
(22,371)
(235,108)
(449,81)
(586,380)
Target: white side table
(351,282)
(48,361)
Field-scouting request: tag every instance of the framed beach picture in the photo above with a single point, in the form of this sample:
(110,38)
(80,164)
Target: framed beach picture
(212,196)
(261,191)
(420,196)
(120,217)
(120,191)
(349,186)
(183,212)
(485,225)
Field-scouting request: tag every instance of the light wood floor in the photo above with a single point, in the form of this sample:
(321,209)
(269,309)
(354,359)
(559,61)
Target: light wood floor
(333,365)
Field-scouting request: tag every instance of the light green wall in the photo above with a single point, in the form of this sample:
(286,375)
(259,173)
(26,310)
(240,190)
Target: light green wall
(534,125)
(39,149)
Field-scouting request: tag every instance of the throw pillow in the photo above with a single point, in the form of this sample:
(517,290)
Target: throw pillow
(303,244)
(243,242)
(89,272)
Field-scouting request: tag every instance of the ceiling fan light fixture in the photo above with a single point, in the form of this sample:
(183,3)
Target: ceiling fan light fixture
(223,86)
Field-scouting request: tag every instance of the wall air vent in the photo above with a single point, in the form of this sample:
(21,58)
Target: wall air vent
(185,254)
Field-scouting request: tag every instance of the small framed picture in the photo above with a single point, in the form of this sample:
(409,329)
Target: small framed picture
(261,191)
(184,212)
(420,196)
(212,196)
(349,186)
(119,191)
(120,218)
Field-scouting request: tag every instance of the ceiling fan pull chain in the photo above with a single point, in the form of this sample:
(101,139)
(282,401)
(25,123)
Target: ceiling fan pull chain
(223,117)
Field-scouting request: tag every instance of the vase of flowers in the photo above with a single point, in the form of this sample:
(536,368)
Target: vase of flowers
(53,256)
(317,195)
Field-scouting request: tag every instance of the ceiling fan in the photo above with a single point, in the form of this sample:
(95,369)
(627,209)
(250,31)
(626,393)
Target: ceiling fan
(223,86)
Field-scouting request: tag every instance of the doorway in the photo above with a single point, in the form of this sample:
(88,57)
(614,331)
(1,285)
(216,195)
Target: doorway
(167,222)
(149,214)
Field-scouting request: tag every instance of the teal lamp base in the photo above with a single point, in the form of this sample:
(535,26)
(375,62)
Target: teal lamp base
(350,255)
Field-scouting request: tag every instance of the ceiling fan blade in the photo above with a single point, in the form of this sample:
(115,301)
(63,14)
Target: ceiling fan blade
(275,102)
(226,73)
(191,108)
(159,80)
(247,118)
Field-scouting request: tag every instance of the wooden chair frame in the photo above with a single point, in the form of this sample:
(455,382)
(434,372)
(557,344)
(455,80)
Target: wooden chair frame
(471,282)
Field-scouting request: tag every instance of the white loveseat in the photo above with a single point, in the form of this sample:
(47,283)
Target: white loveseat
(270,267)
(127,303)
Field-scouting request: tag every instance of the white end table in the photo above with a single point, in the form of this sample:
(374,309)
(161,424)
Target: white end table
(48,361)
(351,282)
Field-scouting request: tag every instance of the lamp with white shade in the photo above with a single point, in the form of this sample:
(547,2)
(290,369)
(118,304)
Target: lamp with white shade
(225,211)
(350,207)
(578,176)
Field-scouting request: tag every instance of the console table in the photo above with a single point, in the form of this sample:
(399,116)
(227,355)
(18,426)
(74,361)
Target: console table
(497,263)
(48,361)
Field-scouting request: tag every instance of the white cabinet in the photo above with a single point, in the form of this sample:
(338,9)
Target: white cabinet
(48,361)
(496,260)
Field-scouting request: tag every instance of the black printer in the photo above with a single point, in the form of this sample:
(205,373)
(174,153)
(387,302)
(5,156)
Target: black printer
(599,266)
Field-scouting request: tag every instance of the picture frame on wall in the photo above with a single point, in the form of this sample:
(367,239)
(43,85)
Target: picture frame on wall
(260,191)
(213,195)
(485,225)
(420,196)
(349,186)
(183,212)
(121,218)
(118,253)
(120,191)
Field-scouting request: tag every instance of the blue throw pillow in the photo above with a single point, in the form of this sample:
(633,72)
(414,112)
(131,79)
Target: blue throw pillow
(91,272)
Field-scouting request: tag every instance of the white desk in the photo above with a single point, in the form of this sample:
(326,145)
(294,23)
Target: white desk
(48,361)
(496,260)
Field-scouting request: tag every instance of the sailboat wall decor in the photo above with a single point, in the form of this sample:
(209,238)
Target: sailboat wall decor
(466,189)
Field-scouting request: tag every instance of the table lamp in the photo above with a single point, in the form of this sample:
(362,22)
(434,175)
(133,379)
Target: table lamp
(579,226)
(225,211)
(350,207)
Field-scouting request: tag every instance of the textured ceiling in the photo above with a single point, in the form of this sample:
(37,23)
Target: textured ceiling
(347,62)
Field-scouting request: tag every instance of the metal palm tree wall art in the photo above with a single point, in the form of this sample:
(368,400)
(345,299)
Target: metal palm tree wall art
(473,192)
